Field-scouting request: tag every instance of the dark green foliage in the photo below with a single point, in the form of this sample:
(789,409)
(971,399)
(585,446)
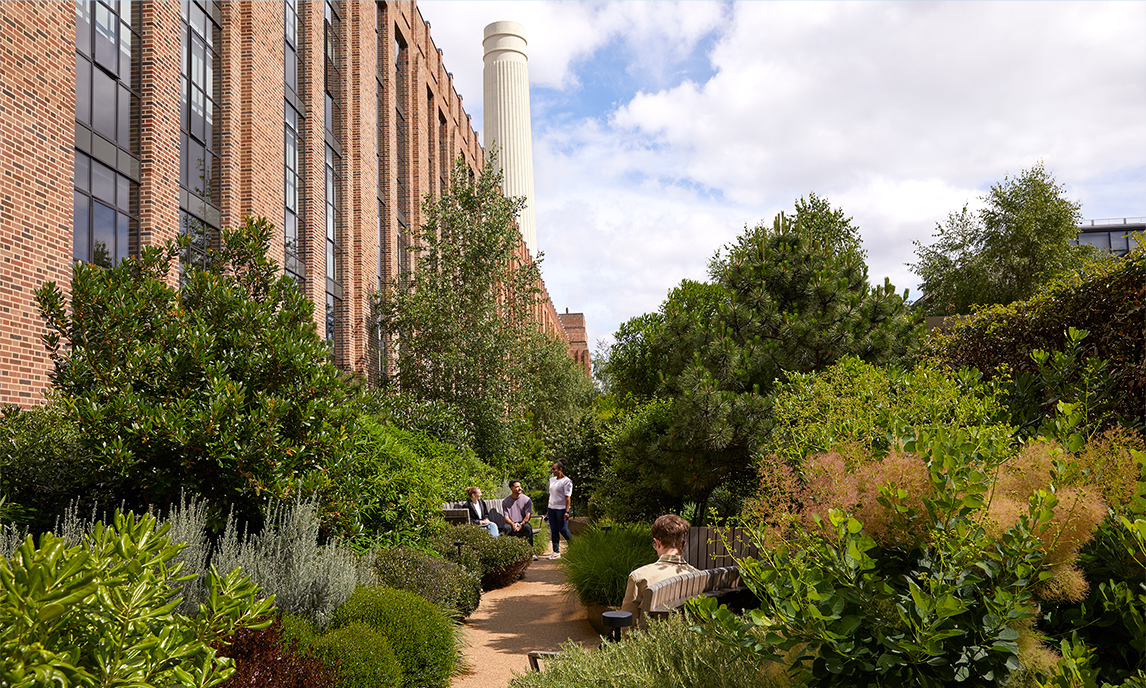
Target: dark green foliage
(1006,251)
(222,387)
(788,298)
(362,655)
(500,560)
(442,582)
(398,480)
(42,467)
(666,655)
(1108,300)
(419,632)
(267,657)
(597,563)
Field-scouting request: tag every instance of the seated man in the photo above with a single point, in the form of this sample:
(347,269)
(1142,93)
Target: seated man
(518,509)
(669,532)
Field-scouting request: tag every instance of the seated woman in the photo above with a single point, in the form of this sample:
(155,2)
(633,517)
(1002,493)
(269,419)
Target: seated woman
(479,511)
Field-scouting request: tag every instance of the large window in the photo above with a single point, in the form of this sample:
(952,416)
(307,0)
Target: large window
(106,197)
(332,89)
(199,197)
(292,144)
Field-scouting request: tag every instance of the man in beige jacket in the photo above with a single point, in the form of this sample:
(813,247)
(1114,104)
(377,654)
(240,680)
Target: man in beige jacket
(669,533)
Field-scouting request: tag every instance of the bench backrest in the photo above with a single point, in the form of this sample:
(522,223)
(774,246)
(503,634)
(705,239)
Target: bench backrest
(493,505)
(710,548)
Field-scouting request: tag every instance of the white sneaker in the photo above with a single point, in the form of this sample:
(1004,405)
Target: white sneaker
(555,555)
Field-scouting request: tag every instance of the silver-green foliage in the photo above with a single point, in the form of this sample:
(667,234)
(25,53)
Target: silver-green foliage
(667,655)
(307,578)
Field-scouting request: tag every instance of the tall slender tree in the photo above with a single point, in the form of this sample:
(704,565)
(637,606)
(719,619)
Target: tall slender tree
(460,319)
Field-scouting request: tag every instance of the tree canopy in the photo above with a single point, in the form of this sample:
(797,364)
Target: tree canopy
(790,297)
(461,318)
(1005,252)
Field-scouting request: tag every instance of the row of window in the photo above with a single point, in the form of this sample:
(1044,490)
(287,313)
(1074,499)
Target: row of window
(107,111)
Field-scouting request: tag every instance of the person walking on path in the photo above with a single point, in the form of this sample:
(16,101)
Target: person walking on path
(479,512)
(560,499)
(518,509)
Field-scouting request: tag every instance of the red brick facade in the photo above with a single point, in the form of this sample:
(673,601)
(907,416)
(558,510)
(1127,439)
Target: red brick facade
(37,139)
(574,326)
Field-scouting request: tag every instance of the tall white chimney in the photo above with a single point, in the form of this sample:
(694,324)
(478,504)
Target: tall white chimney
(506,81)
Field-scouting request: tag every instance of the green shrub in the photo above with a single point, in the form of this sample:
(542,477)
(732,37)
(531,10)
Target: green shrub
(500,560)
(399,479)
(442,582)
(42,466)
(597,563)
(362,656)
(101,612)
(925,567)
(1105,299)
(871,407)
(419,633)
(216,382)
(667,655)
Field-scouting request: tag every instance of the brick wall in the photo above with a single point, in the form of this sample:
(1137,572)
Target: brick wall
(37,130)
(37,135)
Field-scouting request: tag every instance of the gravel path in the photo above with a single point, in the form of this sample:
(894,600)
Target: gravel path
(532,614)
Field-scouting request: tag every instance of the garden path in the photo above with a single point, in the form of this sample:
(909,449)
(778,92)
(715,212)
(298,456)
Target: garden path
(532,614)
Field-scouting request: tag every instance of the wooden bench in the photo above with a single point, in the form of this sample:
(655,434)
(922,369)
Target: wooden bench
(456,512)
(664,597)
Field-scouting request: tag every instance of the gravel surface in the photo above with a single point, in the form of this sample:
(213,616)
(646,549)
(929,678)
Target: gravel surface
(532,614)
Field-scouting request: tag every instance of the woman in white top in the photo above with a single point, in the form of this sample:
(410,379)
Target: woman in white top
(560,498)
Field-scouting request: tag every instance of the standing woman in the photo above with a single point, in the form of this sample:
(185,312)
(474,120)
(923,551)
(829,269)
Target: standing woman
(479,512)
(560,498)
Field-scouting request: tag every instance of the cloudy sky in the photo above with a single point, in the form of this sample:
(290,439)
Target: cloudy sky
(661,129)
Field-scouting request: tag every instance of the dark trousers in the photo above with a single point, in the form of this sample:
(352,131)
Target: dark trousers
(525,532)
(558,526)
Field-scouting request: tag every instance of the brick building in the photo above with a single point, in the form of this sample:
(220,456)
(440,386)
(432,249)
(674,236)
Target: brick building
(332,118)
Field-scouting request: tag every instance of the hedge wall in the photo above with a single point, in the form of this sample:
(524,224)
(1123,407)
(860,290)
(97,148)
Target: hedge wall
(1105,298)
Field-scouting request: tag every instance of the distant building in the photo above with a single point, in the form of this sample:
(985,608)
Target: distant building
(1116,235)
(332,118)
(574,324)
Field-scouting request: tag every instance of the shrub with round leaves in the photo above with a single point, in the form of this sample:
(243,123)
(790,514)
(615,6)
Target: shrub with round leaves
(418,632)
(442,582)
(363,655)
(500,560)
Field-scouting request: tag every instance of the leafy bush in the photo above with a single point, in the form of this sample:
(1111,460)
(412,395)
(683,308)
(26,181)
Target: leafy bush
(419,633)
(667,655)
(362,655)
(42,466)
(870,407)
(500,560)
(442,582)
(1105,299)
(939,585)
(267,658)
(400,479)
(221,386)
(597,563)
(101,613)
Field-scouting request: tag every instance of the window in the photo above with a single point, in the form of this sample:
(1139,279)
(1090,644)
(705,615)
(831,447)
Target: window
(107,171)
(292,144)
(199,145)
(333,215)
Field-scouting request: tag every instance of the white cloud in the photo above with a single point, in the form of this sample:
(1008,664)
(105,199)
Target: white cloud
(898,112)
